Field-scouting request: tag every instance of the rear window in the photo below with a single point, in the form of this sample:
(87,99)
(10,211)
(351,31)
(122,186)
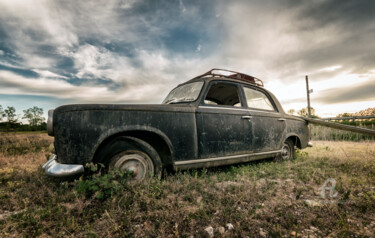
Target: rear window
(258,100)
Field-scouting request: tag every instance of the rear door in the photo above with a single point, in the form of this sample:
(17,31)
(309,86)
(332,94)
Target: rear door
(268,124)
(223,126)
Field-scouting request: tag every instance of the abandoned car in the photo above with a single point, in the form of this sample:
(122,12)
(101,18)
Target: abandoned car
(218,118)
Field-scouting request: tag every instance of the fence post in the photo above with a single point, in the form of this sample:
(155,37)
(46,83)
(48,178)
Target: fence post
(308,95)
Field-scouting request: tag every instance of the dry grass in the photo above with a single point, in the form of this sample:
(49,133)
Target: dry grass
(331,134)
(263,198)
(343,150)
(22,143)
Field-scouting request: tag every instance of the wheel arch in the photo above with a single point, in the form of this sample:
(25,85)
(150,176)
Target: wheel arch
(157,139)
(295,139)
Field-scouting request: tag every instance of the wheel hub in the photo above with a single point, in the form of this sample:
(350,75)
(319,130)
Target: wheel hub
(285,152)
(138,164)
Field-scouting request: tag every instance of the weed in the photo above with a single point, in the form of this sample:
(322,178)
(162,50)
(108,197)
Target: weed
(102,186)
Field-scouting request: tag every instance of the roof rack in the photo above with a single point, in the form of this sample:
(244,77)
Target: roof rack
(232,75)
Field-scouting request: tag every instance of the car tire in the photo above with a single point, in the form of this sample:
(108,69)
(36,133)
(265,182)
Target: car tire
(287,151)
(132,154)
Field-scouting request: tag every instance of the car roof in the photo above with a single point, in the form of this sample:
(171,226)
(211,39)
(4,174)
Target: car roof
(228,75)
(209,79)
(210,76)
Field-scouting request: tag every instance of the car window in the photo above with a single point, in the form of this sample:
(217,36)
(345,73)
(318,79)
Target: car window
(258,100)
(223,94)
(184,93)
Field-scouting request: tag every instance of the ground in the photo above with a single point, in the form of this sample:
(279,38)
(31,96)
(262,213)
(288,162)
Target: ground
(259,199)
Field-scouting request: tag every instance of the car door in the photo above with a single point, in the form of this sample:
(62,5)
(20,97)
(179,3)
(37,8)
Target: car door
(223,126)
(268,124)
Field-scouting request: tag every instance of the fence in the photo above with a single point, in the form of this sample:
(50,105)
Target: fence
(319,132)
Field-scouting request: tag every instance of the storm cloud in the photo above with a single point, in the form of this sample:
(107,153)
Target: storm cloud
(122,51)
(357,93)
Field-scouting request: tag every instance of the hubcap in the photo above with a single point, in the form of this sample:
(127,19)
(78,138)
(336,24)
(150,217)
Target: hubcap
(136,162)
(285,154)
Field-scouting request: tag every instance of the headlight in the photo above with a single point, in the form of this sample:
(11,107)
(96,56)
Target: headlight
(50,123)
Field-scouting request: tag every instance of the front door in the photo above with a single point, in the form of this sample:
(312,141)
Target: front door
(223,126)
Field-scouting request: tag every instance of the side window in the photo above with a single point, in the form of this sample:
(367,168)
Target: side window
(223,94)
(258,100)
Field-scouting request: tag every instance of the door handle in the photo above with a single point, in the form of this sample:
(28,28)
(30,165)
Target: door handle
(281,119)
(246,117)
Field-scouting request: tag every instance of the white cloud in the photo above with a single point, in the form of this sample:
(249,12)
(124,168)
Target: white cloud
(40,16)
(182,6)
(92,61)
(148,84)
(13,84)
(48,74)
(331,68)
(199,47)
(127,4)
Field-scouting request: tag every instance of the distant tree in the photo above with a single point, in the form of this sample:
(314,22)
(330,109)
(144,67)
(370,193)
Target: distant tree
(305,113)
(346,114)
(34,115)
(1,113)
(291,111)
(10,114)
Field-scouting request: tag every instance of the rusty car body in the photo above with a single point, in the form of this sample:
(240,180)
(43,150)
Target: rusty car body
(214,119)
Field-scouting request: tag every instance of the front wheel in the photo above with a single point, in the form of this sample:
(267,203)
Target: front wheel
(287,151)
(133,155)
(138,163)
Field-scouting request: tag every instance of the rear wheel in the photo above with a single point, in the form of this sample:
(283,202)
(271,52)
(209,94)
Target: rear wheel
(133,155)
(287,151)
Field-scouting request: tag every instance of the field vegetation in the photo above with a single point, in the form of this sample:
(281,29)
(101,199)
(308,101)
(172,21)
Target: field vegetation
(331,134)
(259,199)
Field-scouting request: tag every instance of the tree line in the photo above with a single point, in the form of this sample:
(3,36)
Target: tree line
(10,120)
(303,112)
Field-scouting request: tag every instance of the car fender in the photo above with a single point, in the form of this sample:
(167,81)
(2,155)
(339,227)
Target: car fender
(124,129)
(292,134)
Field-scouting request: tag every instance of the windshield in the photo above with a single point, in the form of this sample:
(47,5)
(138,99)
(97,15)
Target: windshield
(185,93)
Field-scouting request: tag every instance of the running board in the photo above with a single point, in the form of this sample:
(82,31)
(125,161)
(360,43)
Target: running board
(225,160)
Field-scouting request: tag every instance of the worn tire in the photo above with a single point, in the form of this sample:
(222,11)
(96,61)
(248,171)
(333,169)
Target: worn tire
(287,151)
(133,154)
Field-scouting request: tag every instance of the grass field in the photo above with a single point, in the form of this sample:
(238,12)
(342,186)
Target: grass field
(331,134)
(260,199)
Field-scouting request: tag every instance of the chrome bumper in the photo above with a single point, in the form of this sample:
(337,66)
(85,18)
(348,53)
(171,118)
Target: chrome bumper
(55,169)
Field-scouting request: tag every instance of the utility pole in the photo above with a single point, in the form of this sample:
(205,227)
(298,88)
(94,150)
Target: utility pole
(308,95)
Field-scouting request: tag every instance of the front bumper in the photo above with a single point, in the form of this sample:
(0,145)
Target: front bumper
(55,169)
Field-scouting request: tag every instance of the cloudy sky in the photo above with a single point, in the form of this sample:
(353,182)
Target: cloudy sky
(135,51)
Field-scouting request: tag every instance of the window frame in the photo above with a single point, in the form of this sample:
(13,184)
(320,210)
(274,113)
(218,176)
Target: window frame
(275,109)
(239,92)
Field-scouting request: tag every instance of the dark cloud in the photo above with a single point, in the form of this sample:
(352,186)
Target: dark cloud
(24,72)
(58,33)
(118,46)
(332,33)
(349,14)
(363,92)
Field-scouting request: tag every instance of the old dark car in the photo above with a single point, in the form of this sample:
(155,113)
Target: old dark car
(218,118)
